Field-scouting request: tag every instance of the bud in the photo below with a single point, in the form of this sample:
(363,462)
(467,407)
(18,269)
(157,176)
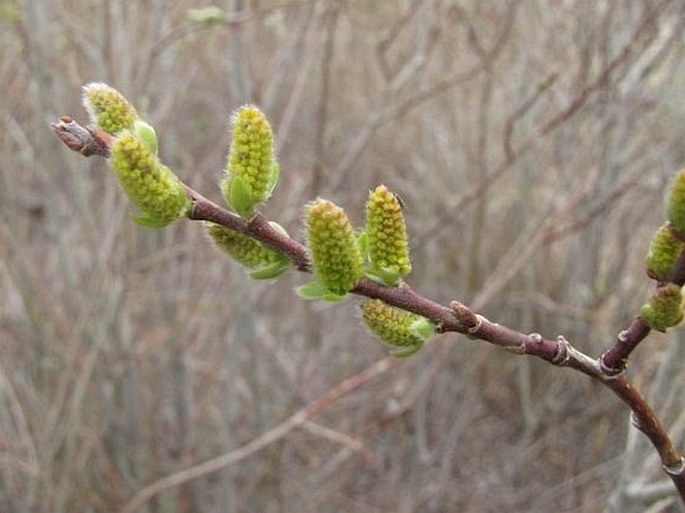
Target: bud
(386,233)
(107,107)
(334,251)
(664,309)
(251,172)
(263,261)
(676,202)
(149,184)
(397,327)
(664,250)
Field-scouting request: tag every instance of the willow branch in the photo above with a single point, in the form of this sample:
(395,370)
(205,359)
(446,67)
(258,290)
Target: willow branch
(456,317)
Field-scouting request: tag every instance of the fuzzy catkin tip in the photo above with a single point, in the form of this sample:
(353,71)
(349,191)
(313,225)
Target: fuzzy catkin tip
(108,108)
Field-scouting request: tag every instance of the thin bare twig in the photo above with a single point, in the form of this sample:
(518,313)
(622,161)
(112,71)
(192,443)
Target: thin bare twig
(298,419)
(339,438)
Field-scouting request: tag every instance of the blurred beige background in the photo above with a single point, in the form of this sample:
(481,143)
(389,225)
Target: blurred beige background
(532,141)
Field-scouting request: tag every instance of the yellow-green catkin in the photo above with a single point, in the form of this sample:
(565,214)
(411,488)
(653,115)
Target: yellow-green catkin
(242,248)
(391,325)
(149,184)
(387,233)
(334,250)
(664,250)
(664,309)
(676,202)
(107,107)
(251,155)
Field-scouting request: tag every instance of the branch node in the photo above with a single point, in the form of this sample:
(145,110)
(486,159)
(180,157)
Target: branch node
(563,354)
(471,321)
(535,338)
(609,371)
(518,349)
(479,322)
(676,469)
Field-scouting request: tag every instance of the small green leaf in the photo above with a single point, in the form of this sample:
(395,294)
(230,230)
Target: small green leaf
(317,290)
(147,134)
(240,197)
(363,243)
(273,270)
(406,352)
(148,221)
(423,328)
(279,228)
(273,179)
(385,276)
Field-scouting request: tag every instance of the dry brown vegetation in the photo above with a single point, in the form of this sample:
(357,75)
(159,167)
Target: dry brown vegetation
(532,141)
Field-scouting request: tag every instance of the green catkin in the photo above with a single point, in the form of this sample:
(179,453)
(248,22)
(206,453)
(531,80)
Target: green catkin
(391,325)
(251,155)
(388,247)
(676,202)
(664,309)
(245,250)
(149,184)
(334,250)
(664,250)
(107,107)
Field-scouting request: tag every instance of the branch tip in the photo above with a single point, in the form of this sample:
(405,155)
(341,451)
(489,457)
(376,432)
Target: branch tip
(87,141)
